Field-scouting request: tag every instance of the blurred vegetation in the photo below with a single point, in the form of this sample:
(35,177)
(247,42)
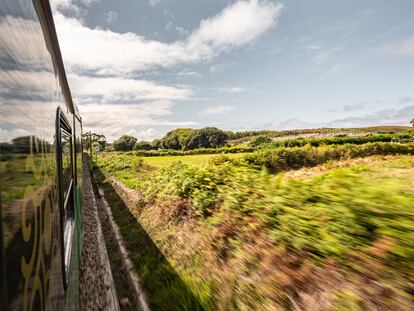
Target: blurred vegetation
(243,236)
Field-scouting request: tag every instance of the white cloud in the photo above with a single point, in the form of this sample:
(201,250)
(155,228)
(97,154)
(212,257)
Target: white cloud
(147,134)
(15,41)
(401,116)
(402,48)
(98,49)
(117,119)
(220,109)
(238,24)
(114,104)
(189,74)
(111,89)
(107,89)
(231,89)
(110,16)
(12,82)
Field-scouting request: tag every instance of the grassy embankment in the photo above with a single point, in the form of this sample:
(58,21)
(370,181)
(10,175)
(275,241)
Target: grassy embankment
(237,234)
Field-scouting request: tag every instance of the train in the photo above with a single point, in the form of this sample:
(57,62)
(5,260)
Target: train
(41,157)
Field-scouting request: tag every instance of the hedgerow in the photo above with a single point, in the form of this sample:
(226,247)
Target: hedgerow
(315,142)
(279,159)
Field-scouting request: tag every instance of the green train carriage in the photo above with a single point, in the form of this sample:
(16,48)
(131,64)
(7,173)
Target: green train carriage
(41,165)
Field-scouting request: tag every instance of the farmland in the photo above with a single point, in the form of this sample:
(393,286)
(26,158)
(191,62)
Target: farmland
(277,228)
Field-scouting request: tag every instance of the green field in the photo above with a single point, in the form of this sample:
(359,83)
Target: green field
(235,232)
(165,161)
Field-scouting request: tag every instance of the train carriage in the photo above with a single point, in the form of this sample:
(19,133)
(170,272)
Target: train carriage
(41,165)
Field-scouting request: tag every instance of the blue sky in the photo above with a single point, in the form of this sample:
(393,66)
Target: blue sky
(145,67)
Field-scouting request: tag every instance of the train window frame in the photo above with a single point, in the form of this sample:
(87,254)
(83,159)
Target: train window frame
(66,196)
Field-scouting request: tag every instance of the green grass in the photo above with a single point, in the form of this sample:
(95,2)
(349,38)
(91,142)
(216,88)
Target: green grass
(165,161)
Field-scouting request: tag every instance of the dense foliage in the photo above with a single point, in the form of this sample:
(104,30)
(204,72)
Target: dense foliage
(208,137)
(143,145)
(331,131)
(279,159)
(175,139)
(300,215)
(124,143)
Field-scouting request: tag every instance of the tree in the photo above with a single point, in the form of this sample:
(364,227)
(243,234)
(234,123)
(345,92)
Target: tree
(175,139)
(93,137)
(156,144)
(143,145)
(124,143)
(412,122)
(208,137)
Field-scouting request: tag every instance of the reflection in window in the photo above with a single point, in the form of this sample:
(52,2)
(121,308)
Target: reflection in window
(66,181)
(66,161)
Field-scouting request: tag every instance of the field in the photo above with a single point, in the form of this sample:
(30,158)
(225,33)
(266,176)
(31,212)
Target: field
(165,161)
(279,228)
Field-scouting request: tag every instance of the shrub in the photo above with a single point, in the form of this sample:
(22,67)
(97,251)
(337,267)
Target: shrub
(143,145)
(259,141)
(138,164)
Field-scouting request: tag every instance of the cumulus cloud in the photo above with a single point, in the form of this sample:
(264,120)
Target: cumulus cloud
(16,40)
(113,103)
(236,25)
(112,89)
(116,119)
(147,134)
(404,47)
(220,109)
(12,82)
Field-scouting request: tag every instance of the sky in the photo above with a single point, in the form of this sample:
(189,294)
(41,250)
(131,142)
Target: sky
(145,67)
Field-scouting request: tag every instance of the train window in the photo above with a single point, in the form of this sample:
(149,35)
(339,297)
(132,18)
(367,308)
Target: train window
(66,192)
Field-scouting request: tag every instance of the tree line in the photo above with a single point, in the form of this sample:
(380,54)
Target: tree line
(178,139)
(185,139)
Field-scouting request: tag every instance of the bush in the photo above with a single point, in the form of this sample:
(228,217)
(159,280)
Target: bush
(138,164)
(143,145)
(259,141)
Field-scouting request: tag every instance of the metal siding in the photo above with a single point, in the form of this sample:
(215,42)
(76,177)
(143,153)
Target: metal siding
(32,86)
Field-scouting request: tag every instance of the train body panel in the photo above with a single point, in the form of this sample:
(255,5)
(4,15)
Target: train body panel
(41,165)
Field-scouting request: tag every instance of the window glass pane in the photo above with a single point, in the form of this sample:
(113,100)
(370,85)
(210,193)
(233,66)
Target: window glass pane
(66,161)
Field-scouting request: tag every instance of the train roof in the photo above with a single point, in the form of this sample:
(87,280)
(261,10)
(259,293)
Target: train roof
(48,25)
